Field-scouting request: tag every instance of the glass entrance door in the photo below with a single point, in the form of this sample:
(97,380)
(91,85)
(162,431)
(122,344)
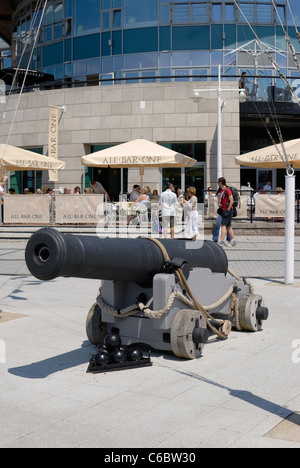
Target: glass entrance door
(185,178)
(173,175)
(265,175)
(194,177)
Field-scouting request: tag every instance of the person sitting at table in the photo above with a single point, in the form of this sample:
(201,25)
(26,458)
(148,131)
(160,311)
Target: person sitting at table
(141,205)
(155,196)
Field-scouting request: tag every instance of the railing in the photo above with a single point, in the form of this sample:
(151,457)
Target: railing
(255,206)
(89,209)
(51,210)
(258,89)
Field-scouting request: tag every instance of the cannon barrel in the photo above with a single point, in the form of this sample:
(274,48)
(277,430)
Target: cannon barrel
(50,254)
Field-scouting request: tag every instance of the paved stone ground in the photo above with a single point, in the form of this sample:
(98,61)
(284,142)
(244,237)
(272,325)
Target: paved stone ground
(261,257)
(253,257)
(237,395)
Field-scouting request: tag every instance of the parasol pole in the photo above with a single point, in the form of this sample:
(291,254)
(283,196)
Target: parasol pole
(142,172)
(2,173)
(290,186)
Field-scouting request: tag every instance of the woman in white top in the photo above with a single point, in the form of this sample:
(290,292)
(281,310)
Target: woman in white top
(141,204)
(192,220)
(144,198)
(3,181)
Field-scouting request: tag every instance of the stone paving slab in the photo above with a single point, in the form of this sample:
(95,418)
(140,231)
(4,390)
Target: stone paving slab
(233,396)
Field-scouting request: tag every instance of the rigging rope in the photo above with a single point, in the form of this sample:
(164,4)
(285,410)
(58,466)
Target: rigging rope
(284,79)
(26,42)
(268,54)
(296,29)
(27,68)
(28,35)
(287,39)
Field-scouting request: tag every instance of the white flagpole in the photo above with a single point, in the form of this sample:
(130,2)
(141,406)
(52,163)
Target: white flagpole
(290,185)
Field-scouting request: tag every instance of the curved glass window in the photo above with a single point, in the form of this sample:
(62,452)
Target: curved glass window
(86,17)
(177,40)
(200,12)
(140,14)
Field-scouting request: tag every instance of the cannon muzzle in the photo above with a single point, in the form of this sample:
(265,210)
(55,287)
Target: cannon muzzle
(50,254)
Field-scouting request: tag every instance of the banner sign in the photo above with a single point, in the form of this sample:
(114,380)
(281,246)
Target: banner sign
(78,209)
(212,207)
(269,206)
(26,209)
(53,140)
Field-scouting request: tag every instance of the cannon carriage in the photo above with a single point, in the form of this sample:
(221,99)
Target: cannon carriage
(170,295)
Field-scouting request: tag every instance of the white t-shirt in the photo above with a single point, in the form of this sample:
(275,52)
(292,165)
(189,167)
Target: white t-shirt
(168,199)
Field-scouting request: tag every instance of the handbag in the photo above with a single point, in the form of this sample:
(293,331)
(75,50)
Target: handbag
(219,211)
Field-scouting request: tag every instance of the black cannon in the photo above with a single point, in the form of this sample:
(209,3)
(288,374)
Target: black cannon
(50,254)
(183,287)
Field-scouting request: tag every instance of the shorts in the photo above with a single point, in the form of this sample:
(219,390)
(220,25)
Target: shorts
(166,220)
(226,220)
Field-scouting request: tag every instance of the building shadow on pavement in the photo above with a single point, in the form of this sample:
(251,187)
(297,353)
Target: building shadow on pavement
(244,395)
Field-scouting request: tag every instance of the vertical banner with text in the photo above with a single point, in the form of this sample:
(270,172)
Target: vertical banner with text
(53,140)
(2,108)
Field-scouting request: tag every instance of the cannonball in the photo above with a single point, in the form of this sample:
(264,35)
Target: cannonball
(135,354)
(102,358)
(112,341)
(118,355)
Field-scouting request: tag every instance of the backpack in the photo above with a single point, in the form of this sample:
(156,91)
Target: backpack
(236,196)
(236,200)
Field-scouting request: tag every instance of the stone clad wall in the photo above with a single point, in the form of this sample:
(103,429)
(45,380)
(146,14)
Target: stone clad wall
(163,112)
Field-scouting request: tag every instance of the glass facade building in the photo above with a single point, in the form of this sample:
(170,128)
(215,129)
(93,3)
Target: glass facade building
(164,40)
(106,42)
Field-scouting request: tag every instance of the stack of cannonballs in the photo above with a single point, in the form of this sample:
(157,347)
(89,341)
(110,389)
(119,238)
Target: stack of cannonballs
(111,351)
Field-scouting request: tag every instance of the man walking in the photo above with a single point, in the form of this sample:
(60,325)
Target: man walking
(167,202)
(226,205)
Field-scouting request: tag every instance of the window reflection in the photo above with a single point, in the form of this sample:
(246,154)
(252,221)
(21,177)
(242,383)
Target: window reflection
(181,75)
(181,14)
(181,59)
(131,61)
(217,12)
(200,12)
(173,38)
(200,58)
(117,19)
(229,12)
(138,14)
(86,16)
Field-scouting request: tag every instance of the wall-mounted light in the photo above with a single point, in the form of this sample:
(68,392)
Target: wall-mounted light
(196,96)
(243,96)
